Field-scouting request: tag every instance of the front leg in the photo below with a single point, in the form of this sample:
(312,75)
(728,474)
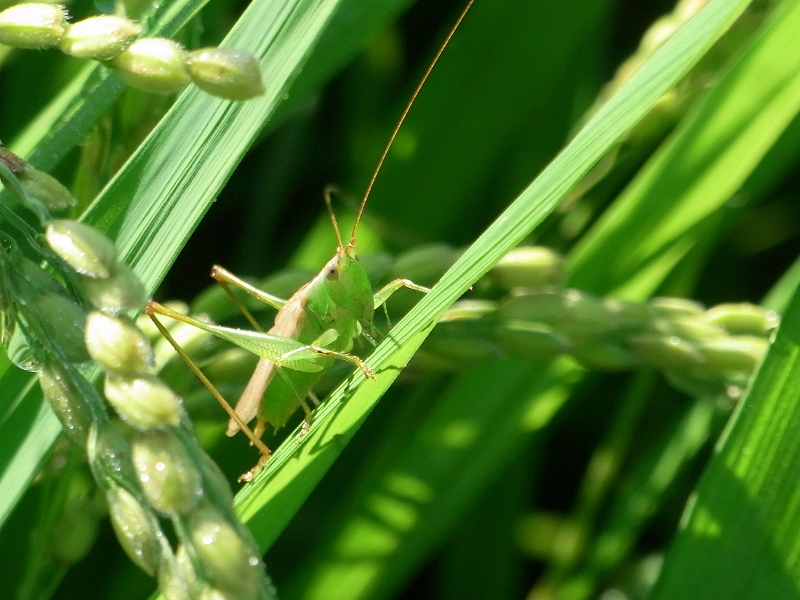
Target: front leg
(380,297)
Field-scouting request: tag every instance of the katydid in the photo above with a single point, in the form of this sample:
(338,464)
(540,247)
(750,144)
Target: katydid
(317,325)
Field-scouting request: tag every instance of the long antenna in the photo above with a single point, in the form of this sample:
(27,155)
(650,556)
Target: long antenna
(332,189)
(403,118)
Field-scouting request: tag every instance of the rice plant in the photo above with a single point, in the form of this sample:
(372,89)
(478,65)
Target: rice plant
(605,432)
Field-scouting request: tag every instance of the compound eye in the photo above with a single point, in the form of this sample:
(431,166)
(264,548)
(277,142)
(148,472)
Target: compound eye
(332,274)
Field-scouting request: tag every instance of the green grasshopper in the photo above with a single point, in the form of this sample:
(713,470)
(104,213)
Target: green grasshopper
(312,329)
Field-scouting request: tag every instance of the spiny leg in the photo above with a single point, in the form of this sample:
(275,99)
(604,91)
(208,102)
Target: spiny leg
(249,475)
(255,438)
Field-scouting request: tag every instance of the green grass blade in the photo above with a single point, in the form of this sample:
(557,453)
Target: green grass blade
(697,171)
(293,472)
(68,116)
(739,533)
(413,495)
(739,536)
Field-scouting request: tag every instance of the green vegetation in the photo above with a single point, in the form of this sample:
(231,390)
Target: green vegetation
(513,476)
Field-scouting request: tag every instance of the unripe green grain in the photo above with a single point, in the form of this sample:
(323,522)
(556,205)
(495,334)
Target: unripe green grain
(120,292)
(215,594)
(658,33)
(531,340)
(46,189)
(629,315)
(101,38)
(137,531)
(166,472)
(659,120)
(685,9)
(63,321)
(528,267)
(227,561)
(32,25)
(665,351)
(532,306)
(156,65)
(65,401)
(82,247)
(75,532)
(584,315)
(675,307)
(743,318)
(468,310)
(109,452)
(624,72)
(176,576)
(118,345)
(34,277)
(691,328)
(424,265)
(733,353)
(604,356)
(231,365)
(226,72)
(189,337)
(215,484)
(143,401)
